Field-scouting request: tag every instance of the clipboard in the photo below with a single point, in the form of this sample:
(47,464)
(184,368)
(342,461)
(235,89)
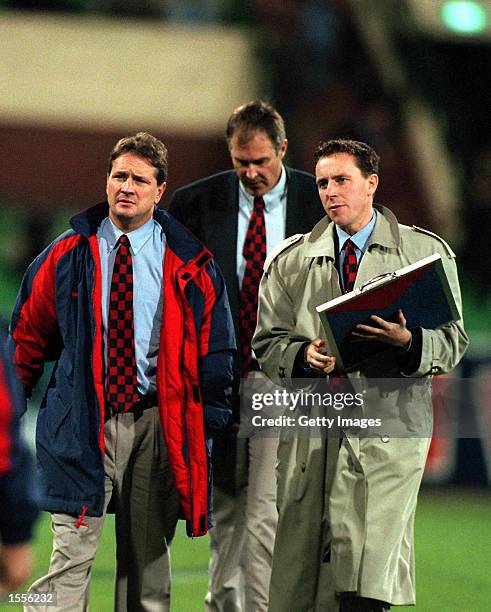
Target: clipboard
(421,290)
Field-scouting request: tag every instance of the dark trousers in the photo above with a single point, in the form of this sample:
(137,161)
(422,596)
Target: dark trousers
(352,603)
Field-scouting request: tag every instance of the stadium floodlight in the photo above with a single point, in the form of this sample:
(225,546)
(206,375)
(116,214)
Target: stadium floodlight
(464,17)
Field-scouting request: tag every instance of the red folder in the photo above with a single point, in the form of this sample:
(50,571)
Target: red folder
(420,290)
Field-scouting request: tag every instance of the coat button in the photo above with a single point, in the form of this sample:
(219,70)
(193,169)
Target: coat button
(385,438)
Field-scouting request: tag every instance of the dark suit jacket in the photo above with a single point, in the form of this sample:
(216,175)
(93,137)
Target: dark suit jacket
(209,208)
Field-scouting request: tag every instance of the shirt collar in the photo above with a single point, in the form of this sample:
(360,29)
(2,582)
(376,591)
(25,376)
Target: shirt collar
(137,237)
(272,199)
(360,239)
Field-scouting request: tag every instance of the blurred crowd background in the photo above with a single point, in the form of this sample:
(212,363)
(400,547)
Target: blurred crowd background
(410,77)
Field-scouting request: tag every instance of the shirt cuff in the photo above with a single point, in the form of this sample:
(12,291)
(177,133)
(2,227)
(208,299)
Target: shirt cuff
(300,368)
(409,357)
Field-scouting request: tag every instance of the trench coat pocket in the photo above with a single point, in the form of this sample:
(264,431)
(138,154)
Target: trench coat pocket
(291,471)
(300,475)
(416,409)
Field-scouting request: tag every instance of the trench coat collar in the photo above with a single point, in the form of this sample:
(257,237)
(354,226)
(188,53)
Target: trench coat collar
(320,242)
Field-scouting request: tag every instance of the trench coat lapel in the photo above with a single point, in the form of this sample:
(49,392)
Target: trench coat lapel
(385,238)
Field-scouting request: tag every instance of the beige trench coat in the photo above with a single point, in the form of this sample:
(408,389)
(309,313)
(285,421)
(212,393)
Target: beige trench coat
(346,514)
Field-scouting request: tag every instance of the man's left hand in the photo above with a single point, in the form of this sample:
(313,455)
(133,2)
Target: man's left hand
(396,333)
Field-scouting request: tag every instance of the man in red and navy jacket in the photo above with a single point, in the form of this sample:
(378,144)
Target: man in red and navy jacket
(151,458)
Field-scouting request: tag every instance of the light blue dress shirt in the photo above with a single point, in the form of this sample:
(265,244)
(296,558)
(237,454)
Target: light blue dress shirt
(274,217)
(360,240)
(147,252)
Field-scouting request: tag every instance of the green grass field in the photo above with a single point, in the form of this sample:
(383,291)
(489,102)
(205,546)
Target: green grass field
(453,552)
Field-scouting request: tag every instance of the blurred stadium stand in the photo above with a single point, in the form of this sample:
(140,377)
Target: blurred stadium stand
(77,75)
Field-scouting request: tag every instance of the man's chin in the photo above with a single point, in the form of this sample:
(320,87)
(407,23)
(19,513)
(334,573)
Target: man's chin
(123,209)
(256,190)
(122,218)
(338,217)
(123,215)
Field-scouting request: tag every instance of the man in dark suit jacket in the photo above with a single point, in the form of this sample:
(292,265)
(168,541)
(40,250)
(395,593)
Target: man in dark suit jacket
(222,210)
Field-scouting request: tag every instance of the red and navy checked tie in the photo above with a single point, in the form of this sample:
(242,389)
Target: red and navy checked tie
(350,266)
(254,252)
(121,388)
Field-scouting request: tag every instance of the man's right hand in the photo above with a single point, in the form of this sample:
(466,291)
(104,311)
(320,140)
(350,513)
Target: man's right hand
(316,359)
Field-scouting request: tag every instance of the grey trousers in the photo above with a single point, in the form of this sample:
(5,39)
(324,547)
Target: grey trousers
(242,541)
(146,505)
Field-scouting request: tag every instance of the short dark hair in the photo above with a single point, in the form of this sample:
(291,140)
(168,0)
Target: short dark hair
(254,116)
(365,157)
(146,146)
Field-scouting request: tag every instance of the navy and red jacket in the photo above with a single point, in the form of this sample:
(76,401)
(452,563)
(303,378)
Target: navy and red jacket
(58,317)
(18,493)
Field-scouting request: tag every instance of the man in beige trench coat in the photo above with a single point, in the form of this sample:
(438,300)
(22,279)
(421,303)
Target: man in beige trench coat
(345,534)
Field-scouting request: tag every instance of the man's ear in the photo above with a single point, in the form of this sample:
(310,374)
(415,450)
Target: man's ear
(372,183)
(283,148)
(160,192)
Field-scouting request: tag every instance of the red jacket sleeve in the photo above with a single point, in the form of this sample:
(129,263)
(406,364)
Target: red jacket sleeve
(34,327)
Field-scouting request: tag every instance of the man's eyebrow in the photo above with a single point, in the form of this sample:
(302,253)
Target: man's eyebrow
(137,177)
(251,161)
(325,179)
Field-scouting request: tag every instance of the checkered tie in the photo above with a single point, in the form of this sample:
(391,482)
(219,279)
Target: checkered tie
(122,391)
(350,266)
(254,253)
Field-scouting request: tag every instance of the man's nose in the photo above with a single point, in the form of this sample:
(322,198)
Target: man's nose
(330,189)
(251,171)
(127,185)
